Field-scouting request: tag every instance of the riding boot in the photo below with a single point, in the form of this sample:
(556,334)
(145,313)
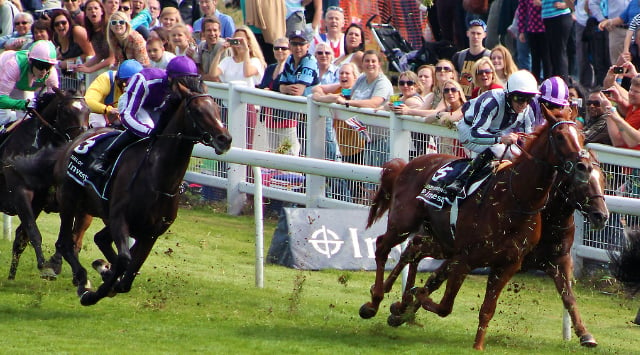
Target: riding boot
(102,162)
(476,164)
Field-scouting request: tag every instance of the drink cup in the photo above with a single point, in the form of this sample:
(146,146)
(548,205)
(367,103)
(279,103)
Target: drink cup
(346,93)
(395,100)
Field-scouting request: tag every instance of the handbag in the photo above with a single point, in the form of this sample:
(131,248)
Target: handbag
(478,7)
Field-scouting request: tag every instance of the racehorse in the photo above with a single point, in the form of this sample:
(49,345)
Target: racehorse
(552,254)
(144,189)
(28,154)
(496,226)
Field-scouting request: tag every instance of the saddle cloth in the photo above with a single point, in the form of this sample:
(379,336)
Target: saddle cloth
(82,157)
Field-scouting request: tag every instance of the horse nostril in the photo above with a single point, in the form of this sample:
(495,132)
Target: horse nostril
(581,167)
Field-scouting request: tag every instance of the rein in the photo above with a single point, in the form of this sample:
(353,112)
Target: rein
(195,124)
(64,135)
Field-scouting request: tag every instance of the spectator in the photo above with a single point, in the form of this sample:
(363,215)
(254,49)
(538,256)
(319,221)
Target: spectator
(188,12)
(558,21)
(301,69)
(41,30)
(334,37)
(353,46)
(210,45)
(577,100)
(110,7)
(73,6)
(125,6)
(484,78)
(613,21)
(103,94)
(271,77)
(464,59)
(503,63)
(531,30)
(71,40)
(163,34)
(170,16)
(444,71)
(125,43)
(410,88)
(22,37)
(182,41)
(595,130)
(8,11)
(245,64)
(154,10)
(158,57)
(96,24)
(328,72)
(267,21)
(208,8)
(427,76)
(141,17)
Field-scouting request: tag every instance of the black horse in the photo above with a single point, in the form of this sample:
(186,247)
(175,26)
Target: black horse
(28,152)
(144,189)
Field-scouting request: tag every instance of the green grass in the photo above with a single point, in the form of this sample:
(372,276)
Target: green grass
(196,294)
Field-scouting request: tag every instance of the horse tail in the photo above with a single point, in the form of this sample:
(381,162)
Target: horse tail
(382,200)
(625,266)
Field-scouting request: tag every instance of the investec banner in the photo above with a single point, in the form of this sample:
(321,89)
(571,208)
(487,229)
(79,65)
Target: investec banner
(314,239)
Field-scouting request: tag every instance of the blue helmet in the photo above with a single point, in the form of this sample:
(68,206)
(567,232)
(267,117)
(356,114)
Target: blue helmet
(182,66)
(128,68)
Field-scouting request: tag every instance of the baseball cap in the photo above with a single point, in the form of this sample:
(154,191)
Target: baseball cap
(301,34)
(478,22)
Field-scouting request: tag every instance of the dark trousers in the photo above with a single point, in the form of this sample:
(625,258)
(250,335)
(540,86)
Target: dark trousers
(557,34)
(540,59)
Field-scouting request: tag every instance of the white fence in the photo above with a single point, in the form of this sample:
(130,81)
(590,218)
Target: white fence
(620,165)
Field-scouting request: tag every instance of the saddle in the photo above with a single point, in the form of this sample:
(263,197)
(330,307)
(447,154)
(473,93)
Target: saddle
(82,157)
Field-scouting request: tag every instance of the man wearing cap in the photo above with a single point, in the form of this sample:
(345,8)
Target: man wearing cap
(301,68)
(464,59)
(142,103)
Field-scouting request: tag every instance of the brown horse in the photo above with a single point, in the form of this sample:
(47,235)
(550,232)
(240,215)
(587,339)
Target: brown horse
(552,254)
(144,191)
(496,226)
(28,154)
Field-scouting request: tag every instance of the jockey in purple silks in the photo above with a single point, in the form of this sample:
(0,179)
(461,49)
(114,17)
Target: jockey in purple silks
(141,104)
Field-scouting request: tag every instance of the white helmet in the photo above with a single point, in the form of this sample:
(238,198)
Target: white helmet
(522,82)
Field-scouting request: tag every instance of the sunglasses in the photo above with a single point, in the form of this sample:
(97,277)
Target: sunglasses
(297,44)
(323,53)
(41,65)
(124,8)
(70,0)
(335,8)
(280,49)
(521,99)
(118,22)
(595,103)
(483,71)
(444,69)
(449,90)
(408,82)
(60,23)
(21,23)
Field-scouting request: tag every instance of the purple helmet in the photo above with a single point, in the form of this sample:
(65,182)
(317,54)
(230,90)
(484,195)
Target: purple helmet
(182,66)
(555,91)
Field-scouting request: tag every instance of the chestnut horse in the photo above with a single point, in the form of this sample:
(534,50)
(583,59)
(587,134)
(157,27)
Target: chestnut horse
(552,254)
(144,193)
(496,226)
(28,154)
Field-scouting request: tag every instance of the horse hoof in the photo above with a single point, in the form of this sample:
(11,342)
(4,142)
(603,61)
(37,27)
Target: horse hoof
(588,340)
(366,311)
(395,321)
(88,298)
(396,308)
(48,273)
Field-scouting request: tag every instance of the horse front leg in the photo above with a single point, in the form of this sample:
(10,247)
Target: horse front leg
(383,248)
(19,245)
(81,223)
(455,272)
(28,217)
(65,247)
(139,253)
(497,279)
(561,272)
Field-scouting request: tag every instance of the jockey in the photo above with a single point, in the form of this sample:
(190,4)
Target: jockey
(141,104)
(491,123)
(23,71)
(104,92)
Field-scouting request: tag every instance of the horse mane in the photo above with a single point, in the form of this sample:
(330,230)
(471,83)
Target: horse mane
(173,100)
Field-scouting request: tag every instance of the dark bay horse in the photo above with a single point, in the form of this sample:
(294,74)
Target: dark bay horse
(28,154)
(495,227)
(552,254)
(144,191)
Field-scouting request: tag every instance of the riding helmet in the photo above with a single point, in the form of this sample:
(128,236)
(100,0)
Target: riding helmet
(43,51)
(128,68)
(522,82)
(182,66)
(555,91)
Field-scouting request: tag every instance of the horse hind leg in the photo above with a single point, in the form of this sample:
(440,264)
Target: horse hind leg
(383,248)
(19,245)
(561,274)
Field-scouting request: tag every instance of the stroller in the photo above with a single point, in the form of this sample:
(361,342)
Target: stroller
(400,54)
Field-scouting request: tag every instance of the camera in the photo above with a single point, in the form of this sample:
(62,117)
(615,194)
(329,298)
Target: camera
(40,13)
(576,102)
(607,93)
(618,70)
(233,41)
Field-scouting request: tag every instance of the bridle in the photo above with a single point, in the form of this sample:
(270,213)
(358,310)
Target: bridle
(65,134)
(195,124)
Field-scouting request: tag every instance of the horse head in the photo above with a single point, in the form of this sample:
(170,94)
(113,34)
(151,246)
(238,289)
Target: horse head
(566,145)
(203,119)
(64,112)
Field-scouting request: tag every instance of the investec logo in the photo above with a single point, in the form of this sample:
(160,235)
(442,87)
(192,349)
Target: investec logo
(328,243)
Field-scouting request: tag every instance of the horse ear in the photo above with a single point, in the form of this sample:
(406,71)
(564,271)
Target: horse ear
(548,115)
(183,90)
(58,92)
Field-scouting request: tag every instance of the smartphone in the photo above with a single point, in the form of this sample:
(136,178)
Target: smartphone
(607,93)
(233,41)
(618,70)
(576,102)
